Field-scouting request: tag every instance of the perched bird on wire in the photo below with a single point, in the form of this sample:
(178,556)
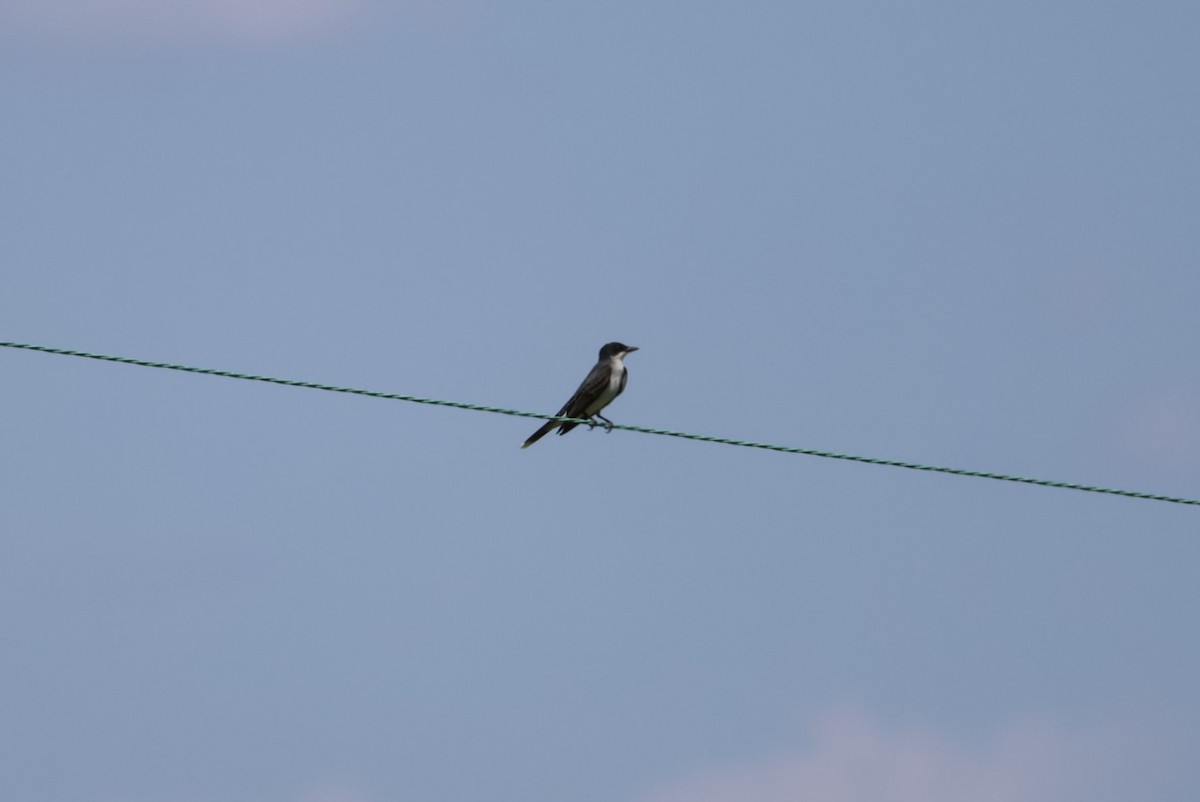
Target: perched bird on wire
(602,385)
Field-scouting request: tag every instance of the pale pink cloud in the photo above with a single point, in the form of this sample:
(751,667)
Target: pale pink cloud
(178,21)
(335,793)
(1163,424)
(852,759)
(1081,295)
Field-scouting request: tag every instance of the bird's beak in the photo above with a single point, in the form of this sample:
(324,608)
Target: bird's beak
(631,349)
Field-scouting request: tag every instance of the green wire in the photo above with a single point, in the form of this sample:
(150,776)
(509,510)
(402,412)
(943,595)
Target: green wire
(642,429)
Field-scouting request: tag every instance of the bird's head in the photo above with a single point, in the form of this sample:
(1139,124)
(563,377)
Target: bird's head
(617,350)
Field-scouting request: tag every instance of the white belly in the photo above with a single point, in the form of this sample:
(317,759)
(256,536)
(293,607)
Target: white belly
(610,392)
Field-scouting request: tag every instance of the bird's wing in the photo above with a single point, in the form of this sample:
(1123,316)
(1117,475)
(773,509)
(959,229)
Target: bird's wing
(592,386)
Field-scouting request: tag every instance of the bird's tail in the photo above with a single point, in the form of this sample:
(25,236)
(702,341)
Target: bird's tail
(540,433)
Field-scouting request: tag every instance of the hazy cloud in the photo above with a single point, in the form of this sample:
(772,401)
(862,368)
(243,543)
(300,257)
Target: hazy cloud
(177,21)
(852,759)
(335,793)
(1163,424)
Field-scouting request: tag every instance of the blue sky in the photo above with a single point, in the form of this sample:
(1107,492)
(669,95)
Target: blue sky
(958,234)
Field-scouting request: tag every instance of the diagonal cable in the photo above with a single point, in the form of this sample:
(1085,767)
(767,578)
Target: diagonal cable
(641,429)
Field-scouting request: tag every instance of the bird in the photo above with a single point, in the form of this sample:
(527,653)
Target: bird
(605,382)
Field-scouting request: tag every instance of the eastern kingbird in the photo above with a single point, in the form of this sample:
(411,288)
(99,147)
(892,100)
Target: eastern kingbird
(602,385)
